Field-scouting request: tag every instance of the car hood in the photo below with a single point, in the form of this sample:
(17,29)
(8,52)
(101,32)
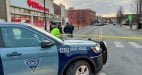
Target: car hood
(79,42)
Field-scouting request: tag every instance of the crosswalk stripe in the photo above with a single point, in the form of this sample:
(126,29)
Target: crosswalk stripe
(136,45)
(102,74)
(118,44)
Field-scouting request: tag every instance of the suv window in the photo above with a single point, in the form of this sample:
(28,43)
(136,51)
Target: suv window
(1,40)
(20,37)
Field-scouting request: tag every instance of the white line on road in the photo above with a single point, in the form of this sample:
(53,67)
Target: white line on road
(136,45)
(118,44)
(102,74)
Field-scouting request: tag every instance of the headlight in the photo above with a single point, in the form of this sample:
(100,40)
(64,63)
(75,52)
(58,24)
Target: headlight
(96,49)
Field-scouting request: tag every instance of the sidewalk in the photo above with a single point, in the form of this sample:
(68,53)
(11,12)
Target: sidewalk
(134,27)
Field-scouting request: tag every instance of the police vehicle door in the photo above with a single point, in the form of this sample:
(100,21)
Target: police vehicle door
(23,55)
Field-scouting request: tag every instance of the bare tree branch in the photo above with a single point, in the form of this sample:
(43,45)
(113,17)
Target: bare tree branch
(134,5)
(120,15)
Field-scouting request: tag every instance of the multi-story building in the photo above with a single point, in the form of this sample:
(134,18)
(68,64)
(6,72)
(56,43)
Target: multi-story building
(30,11)
(81,17)
(57,13)
(63,14)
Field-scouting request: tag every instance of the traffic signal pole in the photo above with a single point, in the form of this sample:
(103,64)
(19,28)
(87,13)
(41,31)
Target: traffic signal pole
(45,23)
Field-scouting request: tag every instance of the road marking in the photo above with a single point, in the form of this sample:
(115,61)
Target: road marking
(135,44)
(108,37)
(102,74)
(118,44)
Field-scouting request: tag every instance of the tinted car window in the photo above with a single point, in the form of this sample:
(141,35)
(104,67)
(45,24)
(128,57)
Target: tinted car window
(1,40)
(19,37)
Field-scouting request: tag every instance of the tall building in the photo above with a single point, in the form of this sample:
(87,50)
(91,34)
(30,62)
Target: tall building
(81,17)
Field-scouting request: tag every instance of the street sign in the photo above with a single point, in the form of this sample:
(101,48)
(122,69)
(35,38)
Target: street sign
(130,20)
(130,17)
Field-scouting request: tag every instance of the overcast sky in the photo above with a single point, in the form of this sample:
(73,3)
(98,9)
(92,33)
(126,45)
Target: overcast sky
(102,7)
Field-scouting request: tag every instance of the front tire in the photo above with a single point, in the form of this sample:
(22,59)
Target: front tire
(79,68)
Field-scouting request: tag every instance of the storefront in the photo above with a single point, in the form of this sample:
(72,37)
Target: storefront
(30,11)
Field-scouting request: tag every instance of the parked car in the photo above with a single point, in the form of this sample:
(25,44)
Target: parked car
(114,24)
(99,24)
(28,50)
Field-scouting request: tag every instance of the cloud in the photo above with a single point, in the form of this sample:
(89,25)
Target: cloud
(64,2)
(102,7)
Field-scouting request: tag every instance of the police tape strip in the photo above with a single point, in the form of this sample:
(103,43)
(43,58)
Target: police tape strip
(107,37)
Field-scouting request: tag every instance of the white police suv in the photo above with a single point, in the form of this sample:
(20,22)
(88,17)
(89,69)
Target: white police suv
(29,50)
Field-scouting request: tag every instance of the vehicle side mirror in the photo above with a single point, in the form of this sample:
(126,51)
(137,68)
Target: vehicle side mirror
(104,52)
(46,44)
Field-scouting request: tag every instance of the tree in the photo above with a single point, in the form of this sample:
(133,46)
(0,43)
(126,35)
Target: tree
(120,15)
(134,6)
(79,18)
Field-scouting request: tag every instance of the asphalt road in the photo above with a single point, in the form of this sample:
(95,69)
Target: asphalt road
(124,55)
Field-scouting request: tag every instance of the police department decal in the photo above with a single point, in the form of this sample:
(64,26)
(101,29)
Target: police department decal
(32,63)
(71,49)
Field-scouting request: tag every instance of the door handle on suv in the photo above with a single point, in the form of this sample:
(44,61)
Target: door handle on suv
(13,54)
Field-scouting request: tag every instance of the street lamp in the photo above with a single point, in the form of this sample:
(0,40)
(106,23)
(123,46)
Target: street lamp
(45,23)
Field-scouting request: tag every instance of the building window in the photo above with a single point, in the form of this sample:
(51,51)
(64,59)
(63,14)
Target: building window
(32,12)
(41,14)
(22,10)
(15,18)
(25,11)
(17,10)
(36,13)
(12,9)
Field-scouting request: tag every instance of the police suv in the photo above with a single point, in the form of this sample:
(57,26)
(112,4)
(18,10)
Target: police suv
(29,50)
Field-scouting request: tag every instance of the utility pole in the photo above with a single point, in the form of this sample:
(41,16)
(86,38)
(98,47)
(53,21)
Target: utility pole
(137,12)
(140,12)
(139,9)
(45,23)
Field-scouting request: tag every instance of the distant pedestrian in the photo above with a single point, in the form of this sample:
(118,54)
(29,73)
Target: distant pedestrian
(139,26)
(130,23)
(60,27)
(72,29)
(68,29)
(51,25)
(55,30)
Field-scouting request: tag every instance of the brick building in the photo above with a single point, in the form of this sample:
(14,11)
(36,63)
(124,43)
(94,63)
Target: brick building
(81,17)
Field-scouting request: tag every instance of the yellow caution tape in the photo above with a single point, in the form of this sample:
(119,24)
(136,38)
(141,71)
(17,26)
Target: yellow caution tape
(100,37)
